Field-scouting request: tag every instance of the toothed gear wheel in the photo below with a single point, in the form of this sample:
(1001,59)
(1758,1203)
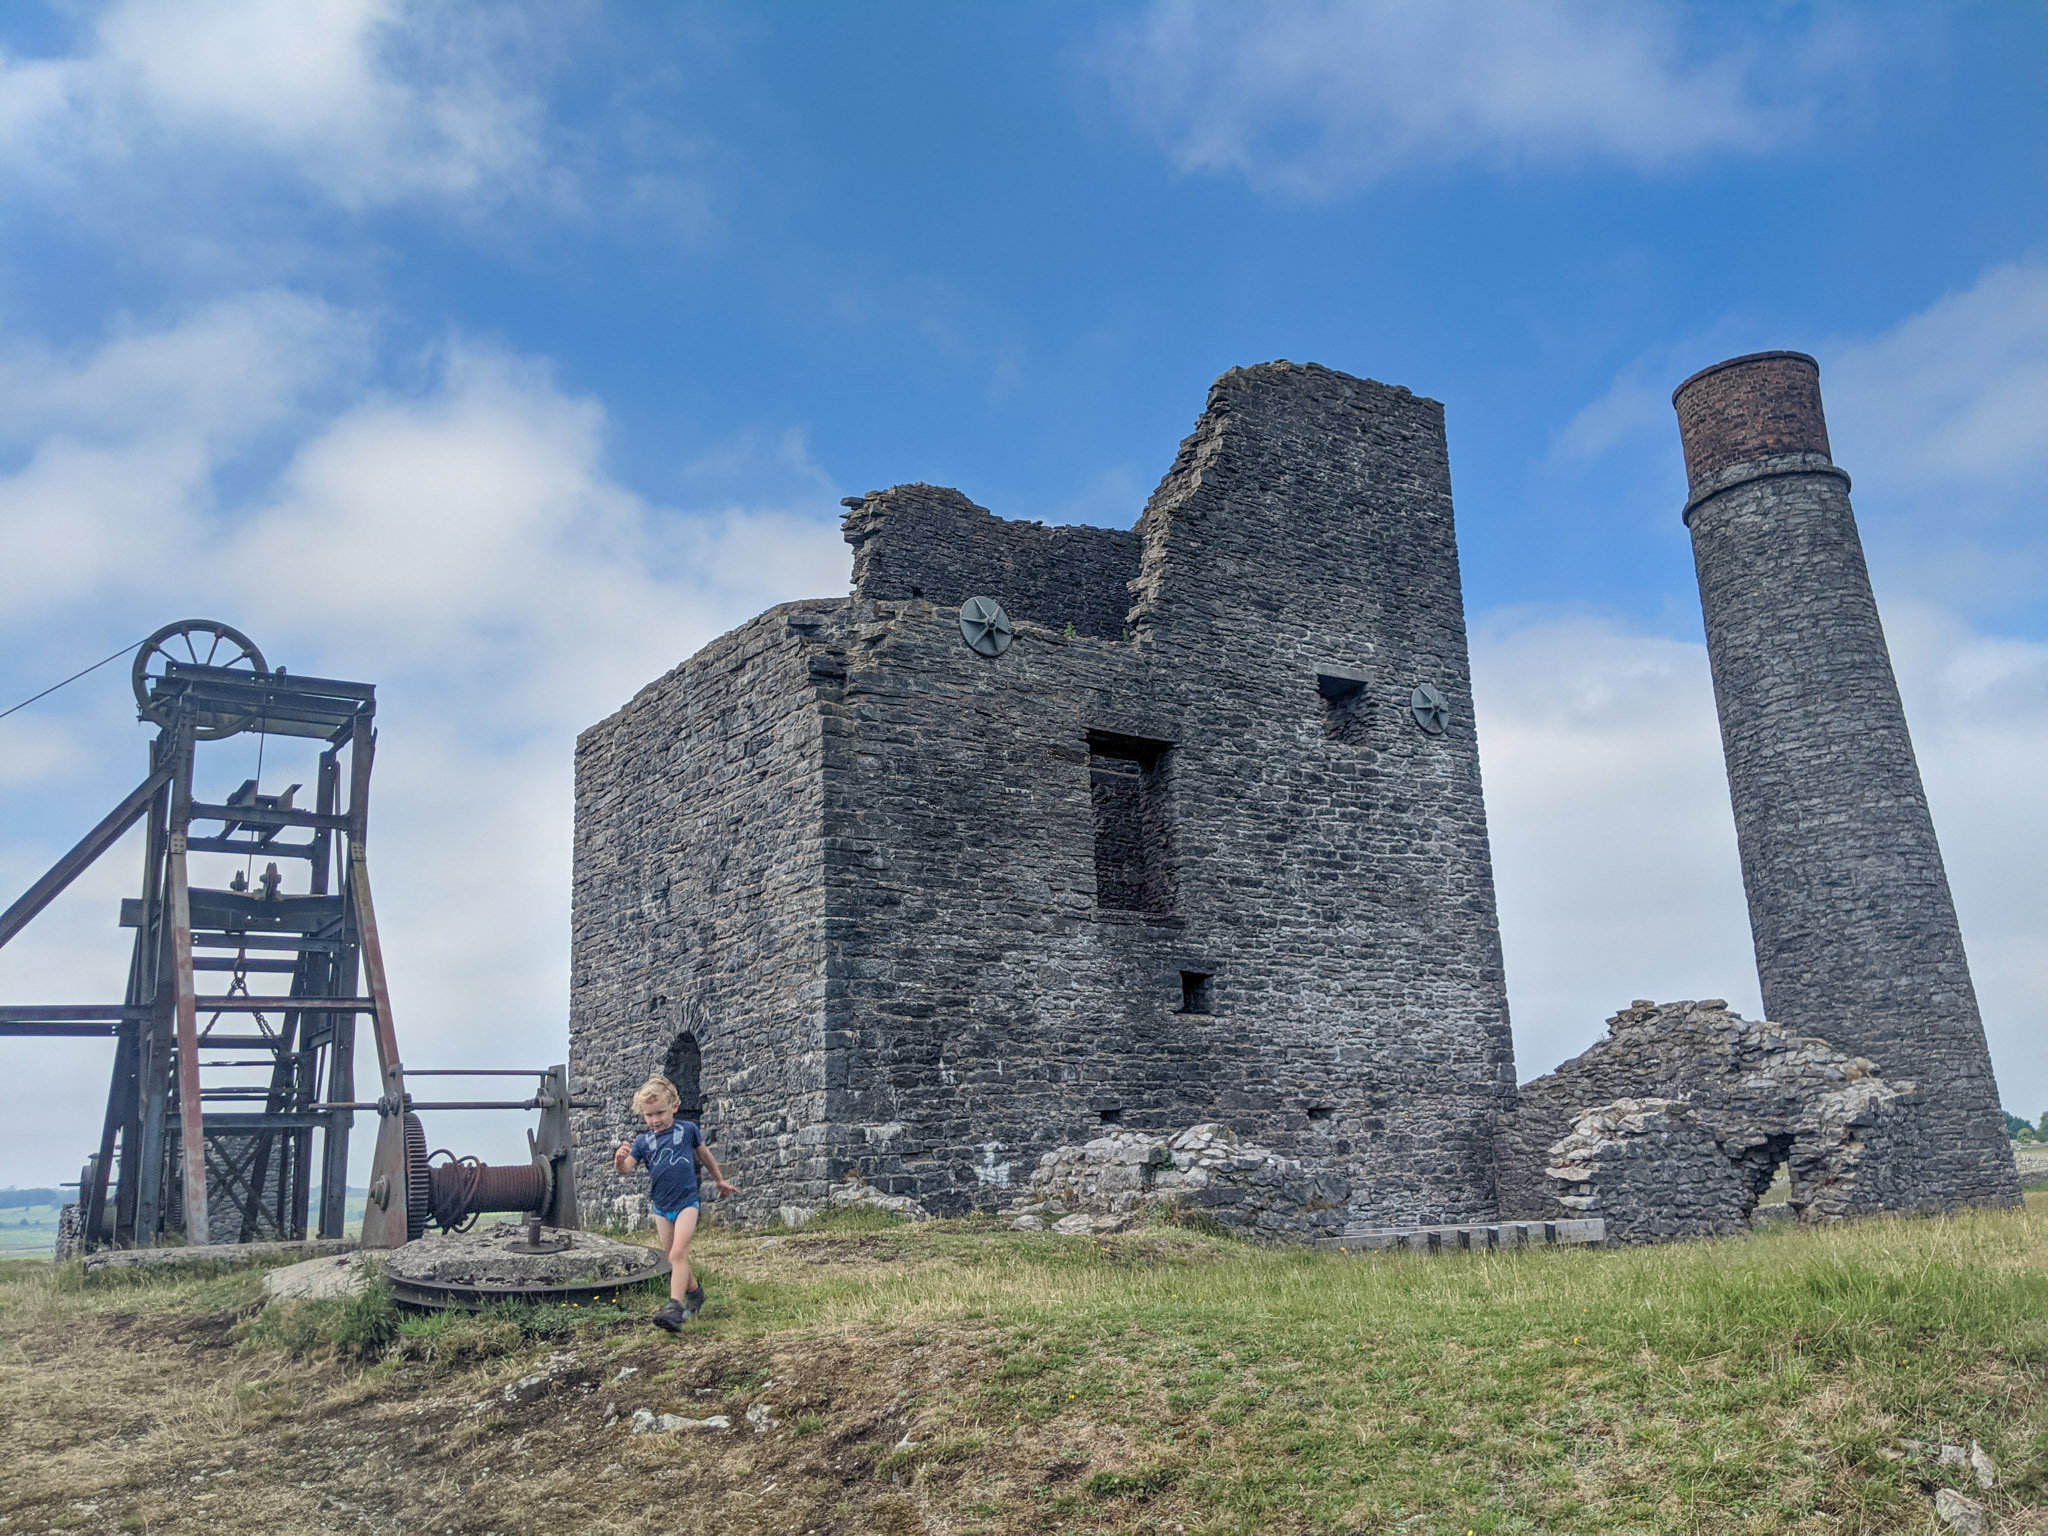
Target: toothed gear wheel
(419,1191)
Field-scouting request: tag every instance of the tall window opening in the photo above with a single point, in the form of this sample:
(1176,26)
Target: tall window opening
(1347,716)
(683,1066)
(1127,789)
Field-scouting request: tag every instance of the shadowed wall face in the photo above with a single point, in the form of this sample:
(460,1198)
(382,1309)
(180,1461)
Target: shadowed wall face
(1856,934)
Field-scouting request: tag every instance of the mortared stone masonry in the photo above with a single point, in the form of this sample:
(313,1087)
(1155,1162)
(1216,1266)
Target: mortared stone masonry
(1856,935)
(1205,843)
(1183,852)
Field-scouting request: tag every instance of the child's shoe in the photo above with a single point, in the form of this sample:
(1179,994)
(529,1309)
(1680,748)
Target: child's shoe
(671,1315)
(693,1302)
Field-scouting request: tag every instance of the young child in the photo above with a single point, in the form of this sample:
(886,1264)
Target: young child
(671,1150)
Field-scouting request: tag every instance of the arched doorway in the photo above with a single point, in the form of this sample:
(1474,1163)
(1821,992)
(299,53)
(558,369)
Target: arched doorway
(683,1066)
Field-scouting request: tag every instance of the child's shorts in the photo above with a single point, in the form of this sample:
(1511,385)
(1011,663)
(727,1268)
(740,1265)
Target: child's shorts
(688,1205)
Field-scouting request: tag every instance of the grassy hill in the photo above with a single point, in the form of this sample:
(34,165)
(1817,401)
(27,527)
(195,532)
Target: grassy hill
(958,1378)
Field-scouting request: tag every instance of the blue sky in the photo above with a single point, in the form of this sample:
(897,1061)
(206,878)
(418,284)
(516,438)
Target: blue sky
(559,331)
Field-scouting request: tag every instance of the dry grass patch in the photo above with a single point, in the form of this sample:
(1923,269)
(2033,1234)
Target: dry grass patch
(954,1379)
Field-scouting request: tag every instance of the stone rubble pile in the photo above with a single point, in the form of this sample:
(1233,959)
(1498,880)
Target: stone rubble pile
(1677,1122)
(1109,1183)
(1651,1171)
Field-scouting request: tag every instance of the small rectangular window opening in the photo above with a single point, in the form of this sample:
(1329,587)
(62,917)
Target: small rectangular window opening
(1197,992)
(1320,1112)
(1127,795)
(1345,713)
(1109,1116)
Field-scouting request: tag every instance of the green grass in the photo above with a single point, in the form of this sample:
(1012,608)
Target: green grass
(957,1377)
(1760,1383)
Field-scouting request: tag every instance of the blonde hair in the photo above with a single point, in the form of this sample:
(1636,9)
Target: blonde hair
(656,1093)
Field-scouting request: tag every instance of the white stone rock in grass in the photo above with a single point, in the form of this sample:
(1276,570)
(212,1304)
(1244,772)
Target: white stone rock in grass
(1961,1514)
(1981,1464)
(337,1274)
(647,1422)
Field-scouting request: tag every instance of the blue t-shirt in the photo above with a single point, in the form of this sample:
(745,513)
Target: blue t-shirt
(670,1158)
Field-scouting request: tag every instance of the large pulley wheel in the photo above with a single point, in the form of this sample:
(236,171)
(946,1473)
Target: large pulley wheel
(193,642)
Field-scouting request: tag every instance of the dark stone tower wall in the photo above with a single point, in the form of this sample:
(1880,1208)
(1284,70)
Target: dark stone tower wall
(1310,951)
(1183,852)
(698,908)
(929,542)
(1856,935)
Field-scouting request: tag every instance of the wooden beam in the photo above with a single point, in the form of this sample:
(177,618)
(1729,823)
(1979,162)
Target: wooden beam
(90,847)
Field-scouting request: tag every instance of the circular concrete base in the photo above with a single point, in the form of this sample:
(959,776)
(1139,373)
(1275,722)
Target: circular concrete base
(472,1269)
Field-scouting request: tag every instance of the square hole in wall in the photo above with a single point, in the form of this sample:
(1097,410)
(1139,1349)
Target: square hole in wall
(1320,1113)
(1346,714)
(1197,992)
(1111,1116)
(1127,778)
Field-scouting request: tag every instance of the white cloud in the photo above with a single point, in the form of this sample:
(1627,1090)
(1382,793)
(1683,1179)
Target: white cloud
(464,547)
(124,440)
(1955,396)
(1947,402)
(1978,707)
(1311,99)
(221,375)
(370,101)
(1614,844)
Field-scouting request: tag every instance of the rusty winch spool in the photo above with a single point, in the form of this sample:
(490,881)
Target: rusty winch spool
(451,1194)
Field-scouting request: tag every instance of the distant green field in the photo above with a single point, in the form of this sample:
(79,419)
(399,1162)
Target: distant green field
(28,1232)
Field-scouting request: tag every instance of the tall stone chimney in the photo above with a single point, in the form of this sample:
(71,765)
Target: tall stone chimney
(1856,935)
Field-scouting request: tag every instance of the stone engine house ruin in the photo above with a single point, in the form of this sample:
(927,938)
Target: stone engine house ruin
(1203,842)
(1051,835)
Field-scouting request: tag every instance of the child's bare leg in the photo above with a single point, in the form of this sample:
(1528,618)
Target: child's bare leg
(666,1231)
(681,1281)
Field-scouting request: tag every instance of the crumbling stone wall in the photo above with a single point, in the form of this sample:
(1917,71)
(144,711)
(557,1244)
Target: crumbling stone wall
(931,542)
(872,854)
(1651,1171)
(1203,1171)
(70,1232)
(1337,894)
(1866,1147)
(1697,1076)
